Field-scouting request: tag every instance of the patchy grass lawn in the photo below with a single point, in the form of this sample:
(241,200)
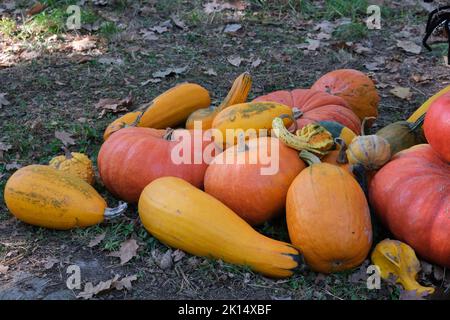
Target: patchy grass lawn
(52,82)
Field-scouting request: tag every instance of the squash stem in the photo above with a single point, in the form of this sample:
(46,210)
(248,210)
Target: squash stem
(342,156)
(67,152)
(364,125)
(111,213)
(309,157)
(288,116)
(419,122)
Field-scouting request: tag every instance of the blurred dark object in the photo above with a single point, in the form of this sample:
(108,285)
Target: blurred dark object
(438,19)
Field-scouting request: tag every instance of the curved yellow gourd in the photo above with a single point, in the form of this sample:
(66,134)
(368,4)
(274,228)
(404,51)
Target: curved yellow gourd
(238,94)
(397,259)
(424,107)
(312,137)
(247,119)
(45,197)
(184,217)
(169,109)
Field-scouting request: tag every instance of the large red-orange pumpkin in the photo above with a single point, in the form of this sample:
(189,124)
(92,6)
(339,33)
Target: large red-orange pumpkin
(133,157)
(437,126)
(357,89)
(316,106)
(411,194)
(255,179)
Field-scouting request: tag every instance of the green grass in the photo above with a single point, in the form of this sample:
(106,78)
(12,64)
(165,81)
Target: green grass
(8,26)
(346,9)
(351,32)
(108,29)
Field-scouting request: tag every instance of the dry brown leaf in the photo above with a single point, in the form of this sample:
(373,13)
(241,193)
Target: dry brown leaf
(148,35)
(412,295)
(3,269)
(169,71)
(235,60)
(3,148)
(166,261)
(409,46)
(65,137)
(96,241)
(13,166)
(90,290)
(217,6)
(402,93)
(3,100)
(114,105)
(177,255)
(50,262)
(232,28)
(127,251)
(257,62)
(210,72)
(83,44)
(124,283)
(35,9)
(178,22)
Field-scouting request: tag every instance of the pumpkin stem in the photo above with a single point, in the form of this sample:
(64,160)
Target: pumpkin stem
(288,116)
(342,156)
(309,157)
(297,113)
(168,135)
(364,125)
(67,152)
(111,213)
(359,172)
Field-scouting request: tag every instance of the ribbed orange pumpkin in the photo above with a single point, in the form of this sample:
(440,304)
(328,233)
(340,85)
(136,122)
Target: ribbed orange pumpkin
(354,87)
(411,194)
(328,218)
(316,106)
(133,157)
(437,126)
(255,182)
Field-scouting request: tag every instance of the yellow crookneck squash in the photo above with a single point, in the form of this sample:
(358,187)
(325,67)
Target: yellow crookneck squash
(237,94)
(397,259)
(43,196)
(184,217)
(169,109)
(424,107)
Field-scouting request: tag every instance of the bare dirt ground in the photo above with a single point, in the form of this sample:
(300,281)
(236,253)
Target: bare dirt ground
(51,80)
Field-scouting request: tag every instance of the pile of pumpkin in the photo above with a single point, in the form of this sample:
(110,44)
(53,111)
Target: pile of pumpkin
(329,173)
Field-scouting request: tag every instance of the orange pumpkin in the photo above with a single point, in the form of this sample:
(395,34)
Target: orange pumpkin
(411,194)
(328,218)
(255,179)
(437,126)
(314,106)
(133,157)
(357,89)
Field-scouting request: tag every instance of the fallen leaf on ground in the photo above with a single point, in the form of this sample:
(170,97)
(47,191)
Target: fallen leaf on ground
(96,241)
(114,105)
(166,261)
(3,100)
(50,262)
(177,255)
(83,44)
(402,93)
(168,72)
(148,35)
(234,60)
(217,6)
(210,72)
(13,166)
(90,290)
(232,28)
(409,46)
(146,82)
(3,269)
(3,148)
(312,45)
(256,62)
(35,9)
(64,137)
(127,251)
(178,22)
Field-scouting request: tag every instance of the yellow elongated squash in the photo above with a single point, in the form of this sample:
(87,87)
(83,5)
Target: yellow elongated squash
(238,94)
(169,109)
(46,197)
(248,120)
(424,107)
(184,217)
